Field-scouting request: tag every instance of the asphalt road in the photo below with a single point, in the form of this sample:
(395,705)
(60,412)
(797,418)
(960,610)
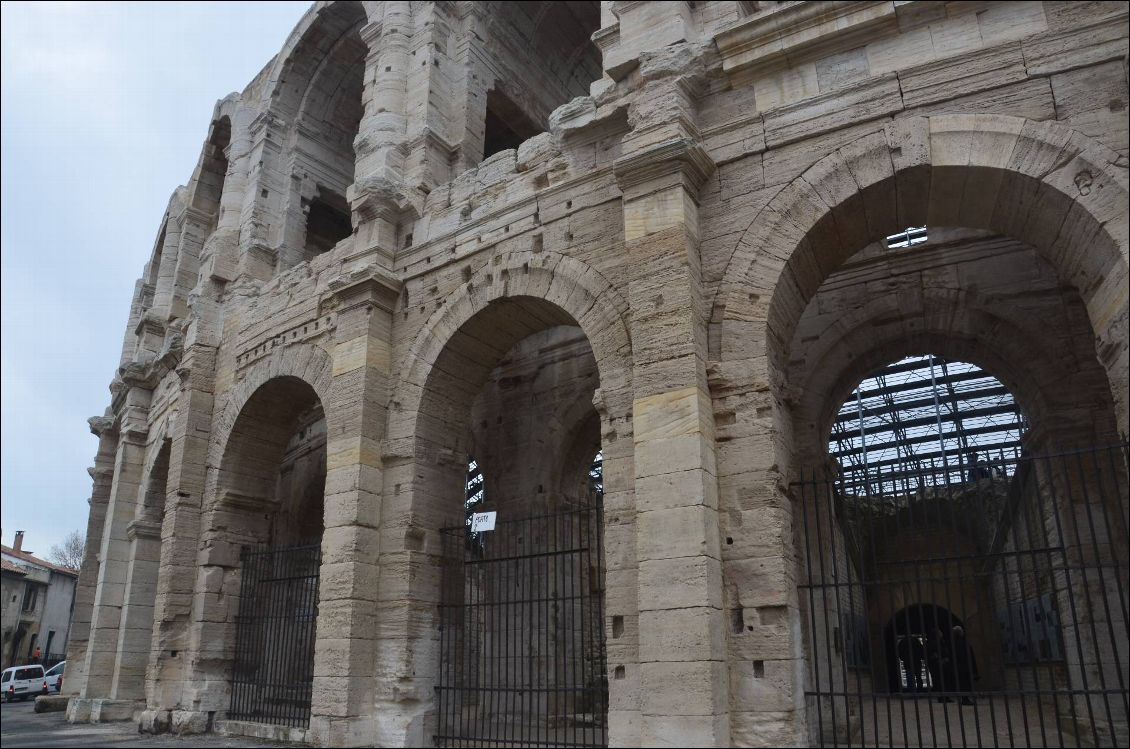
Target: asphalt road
(20,726)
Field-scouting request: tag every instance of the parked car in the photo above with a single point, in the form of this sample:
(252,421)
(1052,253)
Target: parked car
(54,676)
(23,682)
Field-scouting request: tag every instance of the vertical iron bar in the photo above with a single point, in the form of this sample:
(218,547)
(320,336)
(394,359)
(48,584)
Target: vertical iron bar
(1100,566)
(1056,506)
(1091,606)
(815,638)
(827,629)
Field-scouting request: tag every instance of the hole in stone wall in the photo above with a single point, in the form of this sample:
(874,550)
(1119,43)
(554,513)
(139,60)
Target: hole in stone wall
(759,669)
(618,673)
(507,126)
(540,56)
(327,222)
(906,238)
(737,620)
(617,627)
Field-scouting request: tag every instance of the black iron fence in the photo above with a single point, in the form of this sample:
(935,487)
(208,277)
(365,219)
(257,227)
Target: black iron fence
(522,634)
(969,608)
(275,629)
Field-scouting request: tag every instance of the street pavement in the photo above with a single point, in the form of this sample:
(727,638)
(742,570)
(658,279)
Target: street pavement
(20,726)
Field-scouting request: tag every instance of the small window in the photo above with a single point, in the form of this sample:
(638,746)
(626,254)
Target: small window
(906,238)
(7,676)
(507,126)
(327,222)
(31,595)
(35,672)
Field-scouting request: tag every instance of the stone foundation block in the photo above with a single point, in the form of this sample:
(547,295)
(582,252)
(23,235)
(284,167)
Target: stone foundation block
(154,721)
(261,731)
(108,711)
(78,710)
(51,703)
(186,722)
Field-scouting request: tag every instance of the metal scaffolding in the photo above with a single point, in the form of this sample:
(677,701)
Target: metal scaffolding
(921,413)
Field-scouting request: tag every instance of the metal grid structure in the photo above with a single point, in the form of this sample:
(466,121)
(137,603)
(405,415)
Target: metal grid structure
(522,653)
(925,411)
(274,647)
(984,610)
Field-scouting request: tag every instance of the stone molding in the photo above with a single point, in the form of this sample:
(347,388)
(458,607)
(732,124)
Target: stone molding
(681,158)
(370,286)
(142,528)
(776,38)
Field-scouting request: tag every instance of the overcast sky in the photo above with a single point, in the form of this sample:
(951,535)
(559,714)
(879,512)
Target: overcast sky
(104,109)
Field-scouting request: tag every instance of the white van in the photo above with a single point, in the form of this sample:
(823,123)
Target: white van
(23,682)
(54,677)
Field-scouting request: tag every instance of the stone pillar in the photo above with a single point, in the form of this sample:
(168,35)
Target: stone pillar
(102,653)
(167,271)
(195,228)
(262,221)
(682,643)
(136,630)
(180,531)
(103,474)
(378,197)
(356,416)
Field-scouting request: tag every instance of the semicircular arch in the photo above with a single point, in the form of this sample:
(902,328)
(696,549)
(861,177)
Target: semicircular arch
(1040,182)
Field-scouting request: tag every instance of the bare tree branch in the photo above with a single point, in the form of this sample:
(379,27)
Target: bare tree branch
(70,552)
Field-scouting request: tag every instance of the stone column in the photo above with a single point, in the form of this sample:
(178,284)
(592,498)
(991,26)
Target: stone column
(682,645)
(180,533)
(136,630)
(356,416)
(103,474)
(167,271)
(102,653)
(262,221)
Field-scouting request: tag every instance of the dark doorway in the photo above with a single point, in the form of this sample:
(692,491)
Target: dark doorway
(912,643)
(522,634)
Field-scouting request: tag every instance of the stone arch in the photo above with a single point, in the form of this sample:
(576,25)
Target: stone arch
(514,297)
(1040,182)
(312,39)
(307,362)
(572,286)
(959,325)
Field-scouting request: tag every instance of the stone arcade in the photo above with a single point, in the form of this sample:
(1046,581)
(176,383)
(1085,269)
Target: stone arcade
(534,233)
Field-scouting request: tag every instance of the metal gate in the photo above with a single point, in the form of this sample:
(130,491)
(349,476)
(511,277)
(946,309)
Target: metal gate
(981,604)
(522,634)
(274,643)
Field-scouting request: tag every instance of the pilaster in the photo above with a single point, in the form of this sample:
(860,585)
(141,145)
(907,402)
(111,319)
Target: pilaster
(345,649)
(683,680)
(114,552)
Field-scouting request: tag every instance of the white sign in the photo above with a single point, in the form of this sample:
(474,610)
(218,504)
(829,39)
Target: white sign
(483,521)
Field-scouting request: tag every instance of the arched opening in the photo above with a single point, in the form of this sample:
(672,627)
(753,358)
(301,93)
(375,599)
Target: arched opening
(213,171)
(917,642)
(521,650)
(135,635)
(947,464)
(265,532)
(537,56)
(317,91)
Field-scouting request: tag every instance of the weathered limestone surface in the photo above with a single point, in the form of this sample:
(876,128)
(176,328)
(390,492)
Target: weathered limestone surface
(529,231)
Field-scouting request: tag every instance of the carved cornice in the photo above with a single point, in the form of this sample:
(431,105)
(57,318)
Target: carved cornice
(782,35)
(380,197)
(679,157)
(143,528)
(370,286)
(99,425)
(237,501)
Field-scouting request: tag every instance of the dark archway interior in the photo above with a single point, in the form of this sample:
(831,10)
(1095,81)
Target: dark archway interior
(916,637)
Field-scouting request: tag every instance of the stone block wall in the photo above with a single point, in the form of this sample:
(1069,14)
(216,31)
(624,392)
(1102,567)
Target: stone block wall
(686,270)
